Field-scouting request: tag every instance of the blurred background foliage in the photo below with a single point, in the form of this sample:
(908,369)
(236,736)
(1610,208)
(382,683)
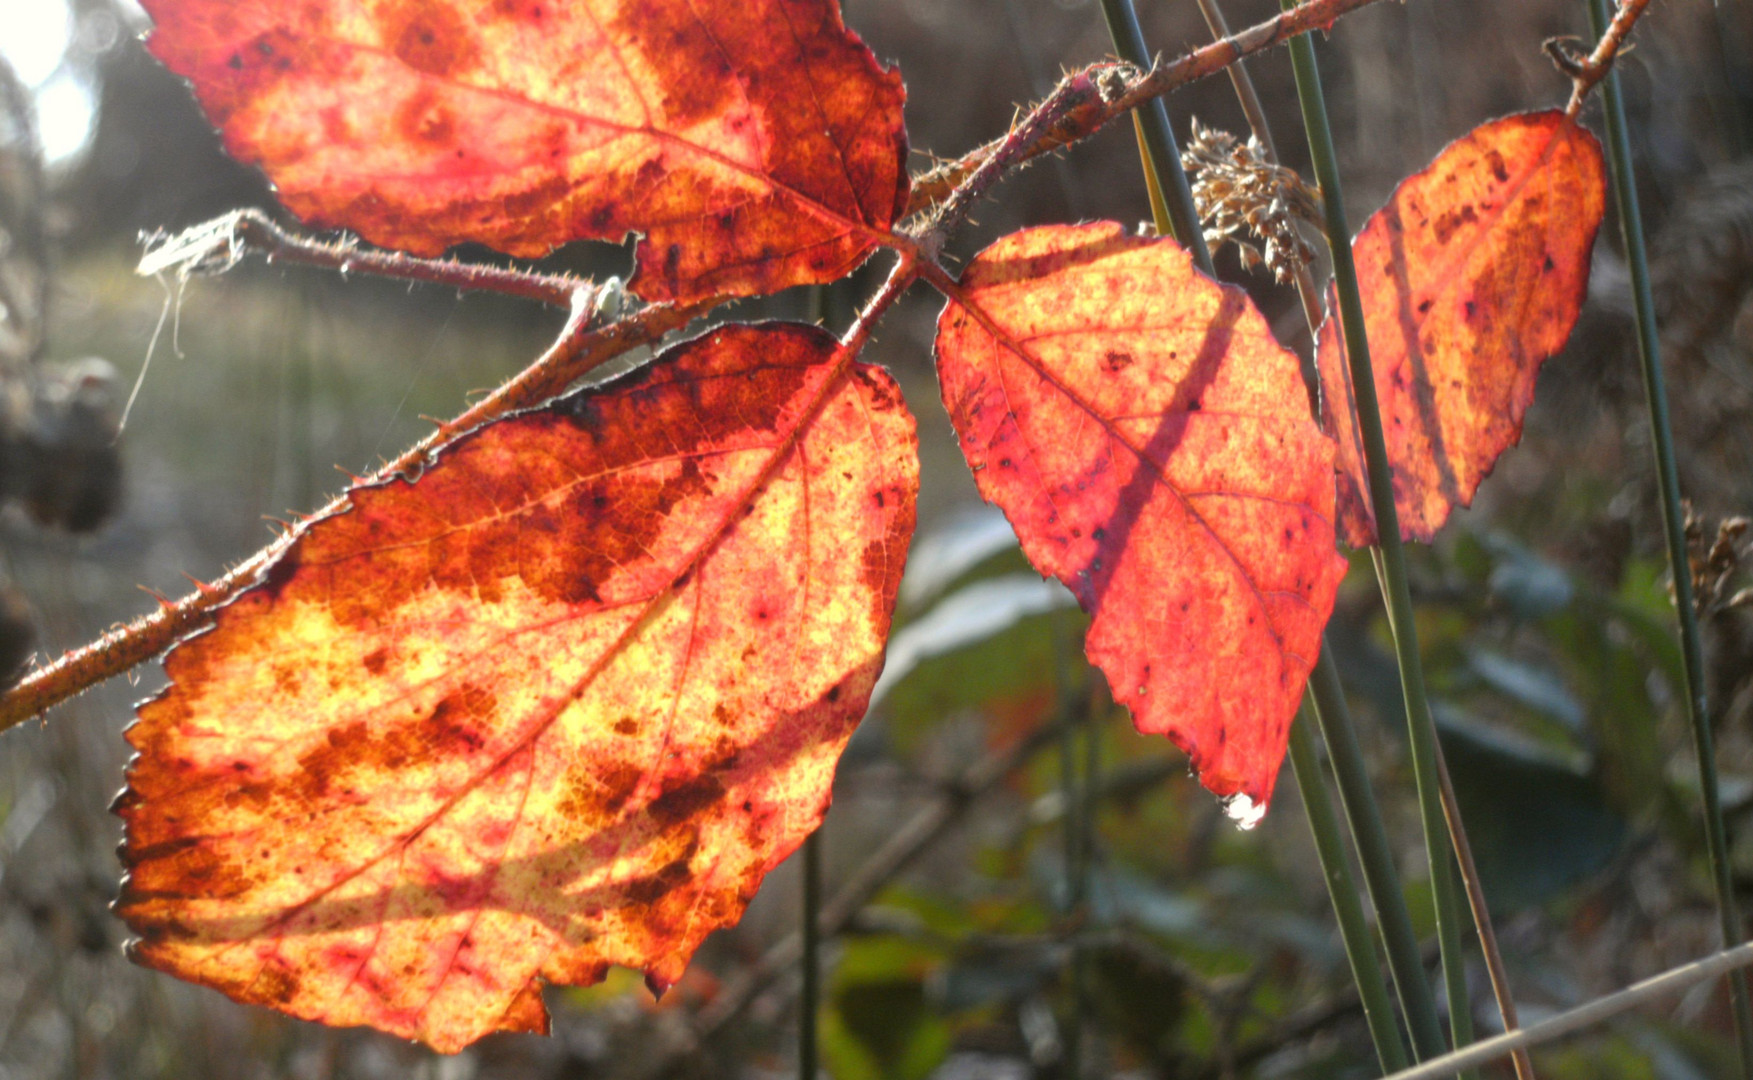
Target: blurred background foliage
(1072,902)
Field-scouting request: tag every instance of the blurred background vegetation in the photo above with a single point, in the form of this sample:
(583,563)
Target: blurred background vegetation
(1121,924)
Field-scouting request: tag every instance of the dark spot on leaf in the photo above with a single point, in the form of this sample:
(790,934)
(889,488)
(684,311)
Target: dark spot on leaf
(431,37)
(686,800)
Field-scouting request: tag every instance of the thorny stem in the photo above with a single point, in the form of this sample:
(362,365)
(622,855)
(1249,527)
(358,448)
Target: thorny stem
(1585,72)
(1674,526)
(1421,729)
(216,246)
(1075,92)
(1354,929)
(935,186)
(580,347)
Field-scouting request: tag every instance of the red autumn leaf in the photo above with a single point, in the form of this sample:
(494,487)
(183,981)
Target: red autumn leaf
(1152,446)
(560,704)
(757,144)
(1472,277)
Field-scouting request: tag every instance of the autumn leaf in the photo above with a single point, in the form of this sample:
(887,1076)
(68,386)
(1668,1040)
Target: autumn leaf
(1152,446)
(1472,277)
(756,144)
(559,704)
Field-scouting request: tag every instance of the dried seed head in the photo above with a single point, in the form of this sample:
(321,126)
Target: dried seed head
(1249,201)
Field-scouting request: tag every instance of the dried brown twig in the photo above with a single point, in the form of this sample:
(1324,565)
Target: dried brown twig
(1586,71)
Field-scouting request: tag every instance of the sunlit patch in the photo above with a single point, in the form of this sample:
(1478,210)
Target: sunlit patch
(1245,812)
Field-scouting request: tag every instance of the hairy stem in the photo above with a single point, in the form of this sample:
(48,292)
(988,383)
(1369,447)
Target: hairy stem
(1585,72)
(218,245)
(1674,528)
(1129,90)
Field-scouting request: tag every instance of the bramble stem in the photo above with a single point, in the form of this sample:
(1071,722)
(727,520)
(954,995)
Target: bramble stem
(1354,930)
(1585,72)
(1674,527)
(936,185)
(1421,728)
(218,245)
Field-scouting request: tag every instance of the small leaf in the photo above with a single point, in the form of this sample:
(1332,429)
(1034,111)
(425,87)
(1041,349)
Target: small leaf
(1472,277)
(756,144)
(1152,446)
(560,704)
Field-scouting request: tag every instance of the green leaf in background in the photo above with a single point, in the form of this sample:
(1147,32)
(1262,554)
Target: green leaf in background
(880,1023)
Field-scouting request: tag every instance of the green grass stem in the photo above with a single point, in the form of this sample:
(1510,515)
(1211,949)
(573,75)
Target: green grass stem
(1375,856)
(1674,526)
(1354,930)
(1421,728)
(1160,150)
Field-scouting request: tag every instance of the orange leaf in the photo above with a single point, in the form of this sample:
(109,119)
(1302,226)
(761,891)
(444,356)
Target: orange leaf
(561,704)
(1472,276)
(757,144)
(1152,446)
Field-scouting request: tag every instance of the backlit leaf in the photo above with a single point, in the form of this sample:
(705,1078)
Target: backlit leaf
(1472,277)
(560,704)
(1152,446)
(756,144)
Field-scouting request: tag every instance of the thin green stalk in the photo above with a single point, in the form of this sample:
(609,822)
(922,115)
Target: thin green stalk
(821,302)
(1668,481)
(1354,930)
(809,998)
(1358,800)
(1421,728)
(1361,811)
(1079,802)
(1368,834)
(1160,150)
